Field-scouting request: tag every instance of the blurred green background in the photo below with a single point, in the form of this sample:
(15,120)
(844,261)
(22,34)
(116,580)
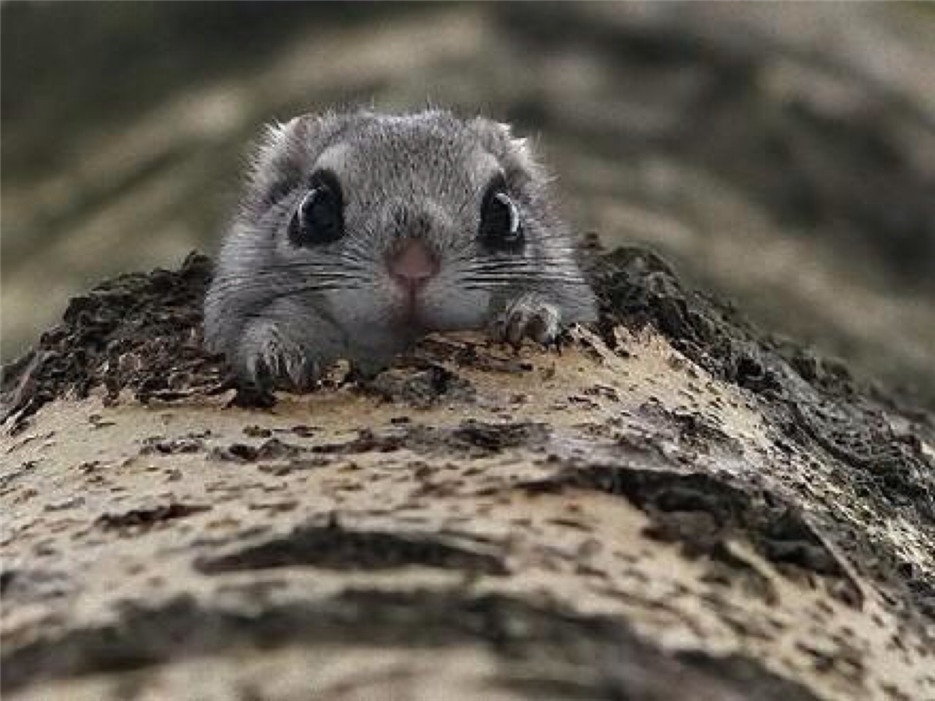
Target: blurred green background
(782,154)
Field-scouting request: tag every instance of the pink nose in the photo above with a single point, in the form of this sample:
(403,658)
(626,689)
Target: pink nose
(413,264)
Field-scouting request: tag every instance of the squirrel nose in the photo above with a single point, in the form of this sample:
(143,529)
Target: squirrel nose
(413,264)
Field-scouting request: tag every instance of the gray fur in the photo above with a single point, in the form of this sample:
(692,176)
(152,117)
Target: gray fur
(280,312)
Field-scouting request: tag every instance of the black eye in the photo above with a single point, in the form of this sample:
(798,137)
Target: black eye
(319,217)
(500,225)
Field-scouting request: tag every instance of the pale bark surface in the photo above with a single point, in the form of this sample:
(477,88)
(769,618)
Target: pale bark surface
(673,507)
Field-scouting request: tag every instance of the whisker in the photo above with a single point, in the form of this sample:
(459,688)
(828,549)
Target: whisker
(246,285)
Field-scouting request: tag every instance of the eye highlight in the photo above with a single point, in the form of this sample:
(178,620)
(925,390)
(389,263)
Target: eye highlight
(501,227)
(319,217)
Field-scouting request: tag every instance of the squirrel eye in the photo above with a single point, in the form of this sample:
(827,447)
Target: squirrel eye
(500,226)
(319,218)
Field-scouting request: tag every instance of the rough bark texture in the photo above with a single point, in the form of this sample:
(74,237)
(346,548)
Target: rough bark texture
(672,507)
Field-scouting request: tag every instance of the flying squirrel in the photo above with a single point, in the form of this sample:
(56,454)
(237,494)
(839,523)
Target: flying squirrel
(360,232)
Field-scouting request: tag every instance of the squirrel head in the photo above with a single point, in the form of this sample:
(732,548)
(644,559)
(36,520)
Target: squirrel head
(394,225)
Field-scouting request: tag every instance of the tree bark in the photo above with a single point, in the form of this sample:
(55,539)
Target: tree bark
(673,506)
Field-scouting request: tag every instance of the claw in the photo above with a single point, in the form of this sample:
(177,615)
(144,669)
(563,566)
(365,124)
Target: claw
(516,327)
(304,373)
(275,364)
(528,317)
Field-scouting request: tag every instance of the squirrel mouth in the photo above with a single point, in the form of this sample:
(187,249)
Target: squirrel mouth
(410,311)
(412,265)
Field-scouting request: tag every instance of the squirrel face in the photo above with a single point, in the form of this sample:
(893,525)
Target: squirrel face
(360,232)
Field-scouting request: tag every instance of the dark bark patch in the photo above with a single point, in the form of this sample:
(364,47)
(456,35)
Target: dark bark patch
(272,449)
(143,519)
(421,388)
(137,332)
(337,548)
(544,651)
(703,512)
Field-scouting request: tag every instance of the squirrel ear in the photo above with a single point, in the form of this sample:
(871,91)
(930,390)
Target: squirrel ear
(275,165)
(284,155)
(514,153)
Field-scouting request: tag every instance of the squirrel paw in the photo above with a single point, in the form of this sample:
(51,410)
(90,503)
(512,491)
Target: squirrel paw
(274,363)
(528,316)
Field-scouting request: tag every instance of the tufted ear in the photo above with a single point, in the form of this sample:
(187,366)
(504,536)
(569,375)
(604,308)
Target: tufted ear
(514,153)
(285,155)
